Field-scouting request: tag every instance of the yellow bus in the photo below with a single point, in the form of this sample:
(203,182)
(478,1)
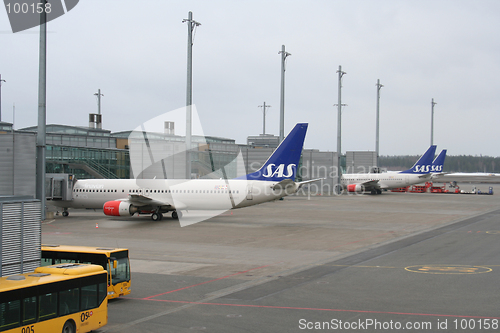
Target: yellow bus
(113,260)
(66,298)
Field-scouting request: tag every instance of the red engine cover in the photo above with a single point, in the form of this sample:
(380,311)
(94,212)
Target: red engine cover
(354,188)
(117,208)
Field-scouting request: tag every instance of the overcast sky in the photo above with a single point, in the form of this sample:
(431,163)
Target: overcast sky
(135,52)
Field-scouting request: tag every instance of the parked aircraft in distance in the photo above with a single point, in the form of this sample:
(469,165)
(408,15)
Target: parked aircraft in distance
(376,182)
(125,197)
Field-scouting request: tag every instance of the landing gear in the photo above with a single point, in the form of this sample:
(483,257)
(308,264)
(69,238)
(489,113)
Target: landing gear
(376,191)
(176,215)
(156,216)
(65,212)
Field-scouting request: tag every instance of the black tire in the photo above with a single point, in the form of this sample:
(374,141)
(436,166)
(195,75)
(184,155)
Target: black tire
(65,213)
(174,215)
(155,217)
(68,327)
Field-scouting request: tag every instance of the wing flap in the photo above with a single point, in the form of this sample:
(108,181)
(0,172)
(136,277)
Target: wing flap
(140,200)
(371,184)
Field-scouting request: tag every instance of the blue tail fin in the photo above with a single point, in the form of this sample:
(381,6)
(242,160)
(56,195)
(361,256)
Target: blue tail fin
(282,164)
(424,164)
(437,164)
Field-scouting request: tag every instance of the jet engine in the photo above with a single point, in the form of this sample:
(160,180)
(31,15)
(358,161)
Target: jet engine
(355,188)
(119,208)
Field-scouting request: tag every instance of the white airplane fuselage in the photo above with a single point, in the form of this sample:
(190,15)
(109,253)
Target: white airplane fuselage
(387,180)
(202,194)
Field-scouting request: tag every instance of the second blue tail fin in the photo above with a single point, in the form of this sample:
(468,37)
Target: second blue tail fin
(437,164)
(424,164)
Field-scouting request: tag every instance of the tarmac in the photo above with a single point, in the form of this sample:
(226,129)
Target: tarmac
(392,262)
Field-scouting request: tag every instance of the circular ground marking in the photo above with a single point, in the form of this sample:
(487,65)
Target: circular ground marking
(448,269)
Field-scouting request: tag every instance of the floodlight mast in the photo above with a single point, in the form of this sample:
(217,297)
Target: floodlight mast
(1,96)
(339,125)
(379,86)
(284,54)
(432,121)
(42,94)
(264,117)
(98,94)
(192,24)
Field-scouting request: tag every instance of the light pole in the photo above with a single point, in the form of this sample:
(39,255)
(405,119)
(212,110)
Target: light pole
(379,86)
(264,117)
(99,117)
(42,95)
(432,121)
(284,54)
(1,96)
(192,24)
(339,124)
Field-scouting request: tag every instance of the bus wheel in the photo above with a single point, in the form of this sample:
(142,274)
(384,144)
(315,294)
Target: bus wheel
(68,327)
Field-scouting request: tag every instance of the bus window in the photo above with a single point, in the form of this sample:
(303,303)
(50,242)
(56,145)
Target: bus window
(29,313)
(89,297)
(68,301)
(47,306)
(103,292)
(46,262)
(10,315)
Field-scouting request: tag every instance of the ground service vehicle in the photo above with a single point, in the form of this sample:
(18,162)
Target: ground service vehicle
(114,260)
(64,298)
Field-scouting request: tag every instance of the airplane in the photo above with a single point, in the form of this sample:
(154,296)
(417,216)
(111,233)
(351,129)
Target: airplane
(376,182)
(125,197)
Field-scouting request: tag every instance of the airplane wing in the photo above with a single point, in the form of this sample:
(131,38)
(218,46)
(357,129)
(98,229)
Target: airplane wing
(439,174)
(140,200)
(368,185)
(299,184)
(288,183)
(285,183)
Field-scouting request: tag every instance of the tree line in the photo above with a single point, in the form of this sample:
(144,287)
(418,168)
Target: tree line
(461,163)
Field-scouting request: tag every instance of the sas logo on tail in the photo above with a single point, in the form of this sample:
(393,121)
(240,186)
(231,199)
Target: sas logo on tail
(279,171)
(428,168)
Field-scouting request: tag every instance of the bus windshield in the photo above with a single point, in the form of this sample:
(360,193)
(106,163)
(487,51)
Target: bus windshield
(122,271)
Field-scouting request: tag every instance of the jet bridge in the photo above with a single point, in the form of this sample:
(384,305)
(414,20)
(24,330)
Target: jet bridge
(59,186)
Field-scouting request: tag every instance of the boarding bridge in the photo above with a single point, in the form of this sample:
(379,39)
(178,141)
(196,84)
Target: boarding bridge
(59,186)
